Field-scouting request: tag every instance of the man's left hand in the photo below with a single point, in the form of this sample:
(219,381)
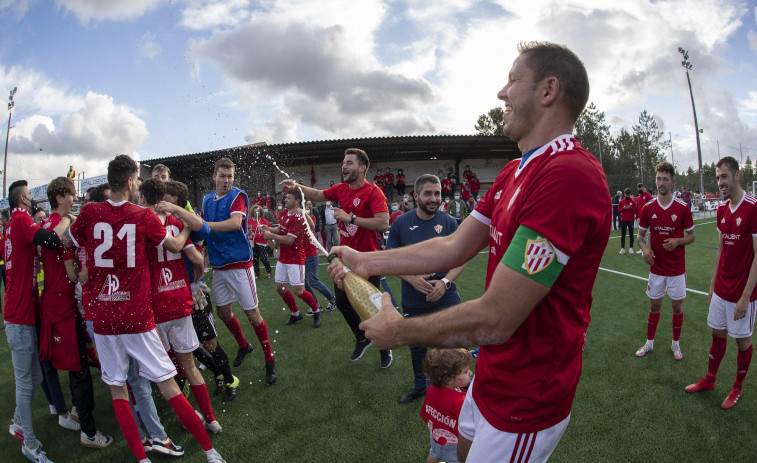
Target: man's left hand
(437,292)
(383,327)
(670,244)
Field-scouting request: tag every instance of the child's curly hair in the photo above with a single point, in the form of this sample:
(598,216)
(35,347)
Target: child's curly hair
(442,365)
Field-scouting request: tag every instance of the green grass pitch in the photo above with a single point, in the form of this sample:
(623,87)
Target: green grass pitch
(324,408)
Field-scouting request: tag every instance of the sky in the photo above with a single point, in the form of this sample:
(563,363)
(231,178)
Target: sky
(156,78)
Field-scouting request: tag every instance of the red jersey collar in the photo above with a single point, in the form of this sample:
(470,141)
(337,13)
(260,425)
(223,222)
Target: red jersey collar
(20,209)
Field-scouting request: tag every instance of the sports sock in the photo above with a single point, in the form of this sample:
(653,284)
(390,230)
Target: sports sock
(207,359)
(190,420)
(129,427)
(652,321)
(200,391)
(677,325)
(309,300)
(289,301)
(262,333)
(717,352)
(222,360)
(236,330)
(743,359)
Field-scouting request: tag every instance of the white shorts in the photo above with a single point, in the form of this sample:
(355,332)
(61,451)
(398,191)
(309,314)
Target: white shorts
(490,445)
(114,351)
(658,285)
(235,285)
(179,334)
(294,274)
(720,317)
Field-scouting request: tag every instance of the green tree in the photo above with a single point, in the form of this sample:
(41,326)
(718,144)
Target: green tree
(651,147)
(491,123)
(594,135)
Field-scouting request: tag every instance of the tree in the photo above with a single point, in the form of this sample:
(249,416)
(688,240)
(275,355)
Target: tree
(491,123)
(594,135)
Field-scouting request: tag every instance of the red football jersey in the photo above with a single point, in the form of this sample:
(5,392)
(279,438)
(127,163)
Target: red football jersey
(446,185)
(20,279)
(642,201)
(627,215)
(86,297)
(293,225)
(56,278)
(256,232)
(388,178)
(169,281)
(365,202)
(441,410)
(310,248)
(528,383)
(117,237)
(663,223)
(737,227)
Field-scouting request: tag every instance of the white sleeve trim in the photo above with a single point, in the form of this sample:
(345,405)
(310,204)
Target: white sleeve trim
(689,229)
(238,212)
(72,238)
(645,229)
(481,218)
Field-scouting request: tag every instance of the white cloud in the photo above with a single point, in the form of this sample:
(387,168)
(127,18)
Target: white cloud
(208,14)
(15,8)
(148,47)
(108,10)
(749,104)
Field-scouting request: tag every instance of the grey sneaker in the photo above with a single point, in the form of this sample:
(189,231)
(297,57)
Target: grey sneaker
(98,441)
(37,455)
(68,422)
(167,447)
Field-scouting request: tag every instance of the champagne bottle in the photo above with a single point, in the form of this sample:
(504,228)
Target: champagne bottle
(364,297)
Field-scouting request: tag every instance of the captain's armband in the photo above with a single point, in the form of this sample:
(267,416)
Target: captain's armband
(534,255)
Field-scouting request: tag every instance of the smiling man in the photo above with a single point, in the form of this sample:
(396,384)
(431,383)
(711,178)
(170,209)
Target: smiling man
(544,255)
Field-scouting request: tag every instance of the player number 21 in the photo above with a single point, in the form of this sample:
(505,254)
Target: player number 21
(104,231)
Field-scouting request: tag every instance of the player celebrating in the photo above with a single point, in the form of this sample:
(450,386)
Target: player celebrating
(532,319)
(291,235)
(117,235)
(732,289)
(666,218)
(230,255)
(362,213)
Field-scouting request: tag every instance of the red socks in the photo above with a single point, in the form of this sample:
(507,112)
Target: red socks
(309,300)
(717,352)
(652,321)
(200,392)
(743,359)
(129,427)
(290,302)
(236,331)
(677,325)
(189,419)
(261,331)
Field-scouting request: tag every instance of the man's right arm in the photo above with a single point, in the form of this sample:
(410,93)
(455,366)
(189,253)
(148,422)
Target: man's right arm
(192,220)
(233,223)
(310,193)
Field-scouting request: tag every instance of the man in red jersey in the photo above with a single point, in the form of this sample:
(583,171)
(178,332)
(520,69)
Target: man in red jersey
(544,256)
(22,236)
(732,289)
(362,214)
(230,254)
(666,218)
(117,235)
(62,334)
(627,208)
(292,236)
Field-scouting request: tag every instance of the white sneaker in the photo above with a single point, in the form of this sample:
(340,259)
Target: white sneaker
(53,410)
(644,350)
(15,430)
(68,422)
(622,251)
(630,251)
(74,413)
(37,455)
(639,252)
(214,426)
(98,441)
(676,348)
(214,456)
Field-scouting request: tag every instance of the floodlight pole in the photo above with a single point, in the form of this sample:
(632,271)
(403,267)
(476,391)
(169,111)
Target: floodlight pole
(687,65)
(7,134)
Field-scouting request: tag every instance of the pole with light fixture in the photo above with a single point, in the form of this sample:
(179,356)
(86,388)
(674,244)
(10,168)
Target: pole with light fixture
(687,65)
(11,103)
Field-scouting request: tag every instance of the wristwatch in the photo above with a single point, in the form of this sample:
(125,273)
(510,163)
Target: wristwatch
(447,283)
(352,218)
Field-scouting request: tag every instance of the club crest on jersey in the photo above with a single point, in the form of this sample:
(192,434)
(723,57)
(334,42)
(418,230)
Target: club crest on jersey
(110,292)
(738,221)
(499,193)
(438,229)
(539,254)
(512,200)
(355,202)
(674,217)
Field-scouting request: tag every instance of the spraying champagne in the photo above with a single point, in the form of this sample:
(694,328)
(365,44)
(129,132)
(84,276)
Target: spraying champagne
(364,297)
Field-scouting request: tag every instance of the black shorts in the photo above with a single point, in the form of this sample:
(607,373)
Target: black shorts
(203,322)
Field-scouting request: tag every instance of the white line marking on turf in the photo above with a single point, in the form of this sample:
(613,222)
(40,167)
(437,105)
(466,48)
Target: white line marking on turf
(696,225)
(646,279)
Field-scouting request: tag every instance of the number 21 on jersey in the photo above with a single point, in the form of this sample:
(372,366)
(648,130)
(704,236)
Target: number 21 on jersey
(104,231)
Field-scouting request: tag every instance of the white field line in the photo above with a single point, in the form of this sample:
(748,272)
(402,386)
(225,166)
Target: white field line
(696,225)
(645,279)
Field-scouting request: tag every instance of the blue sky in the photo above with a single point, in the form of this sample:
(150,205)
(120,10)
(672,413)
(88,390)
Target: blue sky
(155,78)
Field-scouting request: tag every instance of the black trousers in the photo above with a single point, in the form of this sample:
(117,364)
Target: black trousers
(80,384)
(260,252)
(626,225)
(615,217)
(349,314)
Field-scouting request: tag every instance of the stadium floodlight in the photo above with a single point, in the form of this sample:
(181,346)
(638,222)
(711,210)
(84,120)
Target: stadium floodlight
(687,65)
(11,103)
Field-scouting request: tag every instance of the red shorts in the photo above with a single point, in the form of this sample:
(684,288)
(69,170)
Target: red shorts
(57,337)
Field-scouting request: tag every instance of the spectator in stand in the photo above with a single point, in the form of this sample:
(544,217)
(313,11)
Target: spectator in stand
(400,182)
(465,191)
(39,215)
(394,212)
(467,173)
(379,176)
(258,199)
(381,186)
(627,208)
(457,209)
(615,212)
(447,187)
(259,251)
(330,226)
(475,186)
(406,204)
(268,214)
(452,175)
(389,184)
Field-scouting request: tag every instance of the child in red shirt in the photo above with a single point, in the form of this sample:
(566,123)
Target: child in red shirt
(449,371)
